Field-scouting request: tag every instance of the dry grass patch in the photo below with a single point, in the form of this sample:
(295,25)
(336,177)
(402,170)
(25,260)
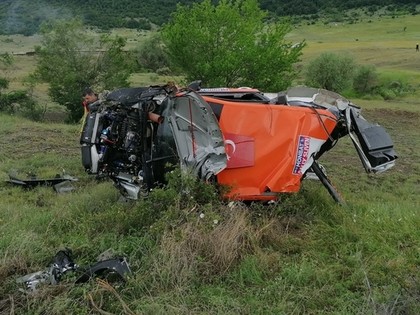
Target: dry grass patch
(195,250)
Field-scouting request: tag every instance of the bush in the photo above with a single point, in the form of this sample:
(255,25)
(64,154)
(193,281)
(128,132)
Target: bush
(18,102)
(21,103)
(393,89)
(387,94)
(163,71)
(330,71)
(365,80)
(4,83)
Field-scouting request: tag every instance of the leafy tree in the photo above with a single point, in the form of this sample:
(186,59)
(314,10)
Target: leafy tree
(69,60)
(330,71)
(152,55)
(230,44)
(114,66)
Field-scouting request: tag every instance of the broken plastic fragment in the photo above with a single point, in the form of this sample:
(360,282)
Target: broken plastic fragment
(106,268)
(60,184)
(63,263)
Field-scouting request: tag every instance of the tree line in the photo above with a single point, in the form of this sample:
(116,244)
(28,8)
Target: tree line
(308,7)
(26,16)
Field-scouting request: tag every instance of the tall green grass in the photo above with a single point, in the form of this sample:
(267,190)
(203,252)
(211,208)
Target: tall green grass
(191,252)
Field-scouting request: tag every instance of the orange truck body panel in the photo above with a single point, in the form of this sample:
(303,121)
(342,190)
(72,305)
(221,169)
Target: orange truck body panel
(268,146)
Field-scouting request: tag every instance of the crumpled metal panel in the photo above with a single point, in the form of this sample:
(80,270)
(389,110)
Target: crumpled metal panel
(197,135)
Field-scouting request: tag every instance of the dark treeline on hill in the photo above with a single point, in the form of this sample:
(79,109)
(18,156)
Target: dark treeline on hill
(25,16)
(304,7)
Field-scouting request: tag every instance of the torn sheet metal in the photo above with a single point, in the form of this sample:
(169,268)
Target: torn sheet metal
(62,263)
(139,134)
(197,135)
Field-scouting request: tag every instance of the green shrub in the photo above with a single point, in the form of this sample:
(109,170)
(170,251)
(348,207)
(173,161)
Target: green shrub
(230,44)
(21,103)
(330,71)
(387,94)
(4,83)
(365,79)
(163,71)
(392,89)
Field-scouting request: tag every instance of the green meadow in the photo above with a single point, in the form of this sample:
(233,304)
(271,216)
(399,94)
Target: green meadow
(197,254)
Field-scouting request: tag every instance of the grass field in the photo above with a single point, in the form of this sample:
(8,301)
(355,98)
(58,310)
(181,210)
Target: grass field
(303,255)
(382,42)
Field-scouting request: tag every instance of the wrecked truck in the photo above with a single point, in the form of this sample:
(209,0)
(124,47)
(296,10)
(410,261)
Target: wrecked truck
(258,145)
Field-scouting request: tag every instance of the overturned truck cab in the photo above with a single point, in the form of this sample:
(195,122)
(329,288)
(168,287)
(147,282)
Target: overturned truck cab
(257,145)
(138,134)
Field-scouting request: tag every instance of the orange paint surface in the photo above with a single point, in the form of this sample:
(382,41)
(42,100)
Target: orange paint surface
(262,143)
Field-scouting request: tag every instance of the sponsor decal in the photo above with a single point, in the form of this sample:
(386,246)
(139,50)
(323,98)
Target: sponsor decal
(214,90)
(302,154)
(232,90)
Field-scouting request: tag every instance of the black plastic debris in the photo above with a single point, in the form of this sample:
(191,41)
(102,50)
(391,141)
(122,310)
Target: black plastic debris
(114,269)
(60,183)
(111,269)
(63,262)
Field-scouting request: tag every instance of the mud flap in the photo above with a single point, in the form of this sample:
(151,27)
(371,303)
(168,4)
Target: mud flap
(372,142)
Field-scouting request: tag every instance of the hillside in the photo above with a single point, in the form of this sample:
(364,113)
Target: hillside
(25,16)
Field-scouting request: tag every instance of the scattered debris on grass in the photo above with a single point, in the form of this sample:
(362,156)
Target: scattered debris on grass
(113,269)
(60,183)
